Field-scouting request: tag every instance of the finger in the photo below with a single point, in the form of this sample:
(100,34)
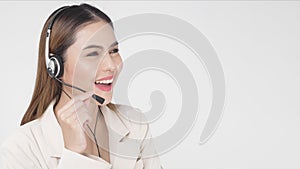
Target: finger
(66,106)
(83,115)
(74,100)
(71,120)
(71,109)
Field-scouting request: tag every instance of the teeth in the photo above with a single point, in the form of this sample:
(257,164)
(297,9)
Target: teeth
(104,81)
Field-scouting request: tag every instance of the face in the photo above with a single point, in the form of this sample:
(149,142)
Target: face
(93,62)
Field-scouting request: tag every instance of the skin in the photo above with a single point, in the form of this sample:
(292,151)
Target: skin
(82,68)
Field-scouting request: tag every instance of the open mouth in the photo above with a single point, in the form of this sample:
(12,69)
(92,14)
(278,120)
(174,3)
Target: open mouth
(106,84)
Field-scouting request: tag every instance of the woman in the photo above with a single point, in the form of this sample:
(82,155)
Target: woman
(67,126)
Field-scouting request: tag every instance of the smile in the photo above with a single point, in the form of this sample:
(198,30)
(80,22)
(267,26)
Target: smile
(104,84)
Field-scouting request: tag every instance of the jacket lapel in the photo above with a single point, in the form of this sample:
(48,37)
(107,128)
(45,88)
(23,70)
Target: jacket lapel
(123,150)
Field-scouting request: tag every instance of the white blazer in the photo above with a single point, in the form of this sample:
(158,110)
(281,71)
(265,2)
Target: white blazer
(39,145)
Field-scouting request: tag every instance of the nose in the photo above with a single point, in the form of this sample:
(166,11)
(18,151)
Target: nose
(108,63)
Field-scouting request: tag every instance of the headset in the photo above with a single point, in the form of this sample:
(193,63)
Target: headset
(54,63)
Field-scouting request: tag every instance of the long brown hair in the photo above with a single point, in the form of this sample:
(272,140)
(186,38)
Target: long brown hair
(64,29)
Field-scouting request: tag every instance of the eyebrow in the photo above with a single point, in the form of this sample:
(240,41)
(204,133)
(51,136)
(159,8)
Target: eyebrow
(101,47)
(114,43)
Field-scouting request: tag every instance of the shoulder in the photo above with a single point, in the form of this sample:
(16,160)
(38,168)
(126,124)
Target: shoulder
(20,149)
(134,119)
(22,138)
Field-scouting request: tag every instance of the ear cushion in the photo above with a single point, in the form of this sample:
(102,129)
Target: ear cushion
(55,67)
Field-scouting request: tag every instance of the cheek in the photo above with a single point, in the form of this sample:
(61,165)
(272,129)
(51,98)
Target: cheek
(69,64)
(79,73)
(119,63)
(68,71)
(84,75)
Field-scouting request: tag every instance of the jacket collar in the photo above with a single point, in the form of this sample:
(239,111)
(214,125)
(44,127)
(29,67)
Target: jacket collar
(53,134)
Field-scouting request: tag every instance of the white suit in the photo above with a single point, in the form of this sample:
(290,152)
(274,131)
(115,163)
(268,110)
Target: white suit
(39,145)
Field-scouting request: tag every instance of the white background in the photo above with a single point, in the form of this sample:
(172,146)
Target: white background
(257,44)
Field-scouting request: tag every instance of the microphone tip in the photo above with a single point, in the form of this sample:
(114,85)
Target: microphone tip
(98,99)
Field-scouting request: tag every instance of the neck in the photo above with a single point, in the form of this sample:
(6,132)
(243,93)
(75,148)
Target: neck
(62,101)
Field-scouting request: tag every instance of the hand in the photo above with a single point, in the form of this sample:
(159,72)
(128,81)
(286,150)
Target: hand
(72,130)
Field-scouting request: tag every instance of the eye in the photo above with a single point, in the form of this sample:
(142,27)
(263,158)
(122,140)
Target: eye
(115,50)
(93,54)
